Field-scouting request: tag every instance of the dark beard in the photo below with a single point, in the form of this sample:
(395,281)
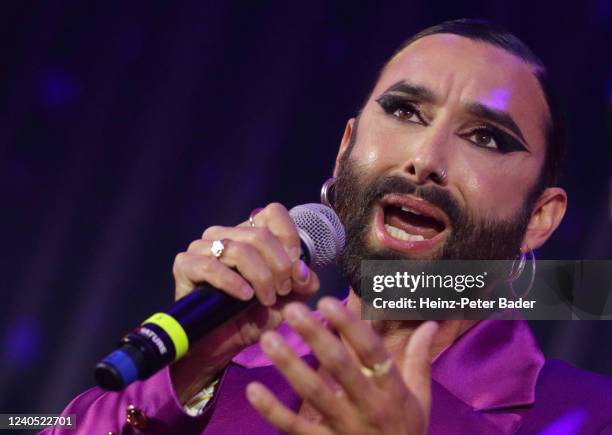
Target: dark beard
(470,238)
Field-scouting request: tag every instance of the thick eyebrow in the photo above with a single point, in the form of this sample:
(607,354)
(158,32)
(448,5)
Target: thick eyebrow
(418,92)
(497,116)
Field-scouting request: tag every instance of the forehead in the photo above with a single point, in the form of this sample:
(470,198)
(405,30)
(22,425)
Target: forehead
(459,71)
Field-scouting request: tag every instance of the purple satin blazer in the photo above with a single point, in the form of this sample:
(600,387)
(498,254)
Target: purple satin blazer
(493,380)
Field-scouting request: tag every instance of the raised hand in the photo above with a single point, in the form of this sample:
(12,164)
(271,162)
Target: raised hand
(373,395)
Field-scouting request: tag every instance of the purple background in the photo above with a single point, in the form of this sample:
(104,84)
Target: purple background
(126,128)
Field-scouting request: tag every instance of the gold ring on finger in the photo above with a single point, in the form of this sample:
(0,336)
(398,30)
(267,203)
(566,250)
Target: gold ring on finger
(253,214)
(378,370)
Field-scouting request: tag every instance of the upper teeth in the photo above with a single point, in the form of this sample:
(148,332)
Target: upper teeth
(398,233)
(404,208)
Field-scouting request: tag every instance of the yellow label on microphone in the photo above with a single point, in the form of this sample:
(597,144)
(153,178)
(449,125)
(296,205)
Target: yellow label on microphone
(174,330)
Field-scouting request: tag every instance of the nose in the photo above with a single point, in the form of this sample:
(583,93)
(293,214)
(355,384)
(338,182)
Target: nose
(427,160)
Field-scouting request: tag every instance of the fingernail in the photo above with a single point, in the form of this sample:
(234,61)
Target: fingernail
(269,299)
(433,326)
(303,273)
(253,392)
(330,305)
(294,313)
(294,253)
(285,288)
(270,342)
(247,291)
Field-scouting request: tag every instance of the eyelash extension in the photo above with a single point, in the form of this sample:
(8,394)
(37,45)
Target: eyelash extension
(390,103)
(506,143)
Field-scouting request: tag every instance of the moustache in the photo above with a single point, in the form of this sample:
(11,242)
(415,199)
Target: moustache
(435,195)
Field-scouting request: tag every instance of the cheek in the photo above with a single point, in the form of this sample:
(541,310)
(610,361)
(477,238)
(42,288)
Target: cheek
(381,146)
(496,188)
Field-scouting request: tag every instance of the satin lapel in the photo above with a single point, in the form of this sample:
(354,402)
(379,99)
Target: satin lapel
(495,365)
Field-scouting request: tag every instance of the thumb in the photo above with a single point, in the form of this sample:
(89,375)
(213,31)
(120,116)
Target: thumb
(416,368)
(305,281)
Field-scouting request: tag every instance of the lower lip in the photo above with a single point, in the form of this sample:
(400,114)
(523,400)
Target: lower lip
(406,246)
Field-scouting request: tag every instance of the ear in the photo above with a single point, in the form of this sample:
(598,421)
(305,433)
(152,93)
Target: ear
(346,138)
(546,216)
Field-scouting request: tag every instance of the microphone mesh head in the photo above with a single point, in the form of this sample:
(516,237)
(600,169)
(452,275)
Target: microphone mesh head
(321,230)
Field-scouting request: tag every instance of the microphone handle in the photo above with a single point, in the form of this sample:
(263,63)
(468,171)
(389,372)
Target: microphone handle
(204,309)
(166,336)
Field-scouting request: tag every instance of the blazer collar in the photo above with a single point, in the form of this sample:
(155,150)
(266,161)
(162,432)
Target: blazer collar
(492,366)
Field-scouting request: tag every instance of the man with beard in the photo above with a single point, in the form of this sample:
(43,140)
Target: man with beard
(454,155)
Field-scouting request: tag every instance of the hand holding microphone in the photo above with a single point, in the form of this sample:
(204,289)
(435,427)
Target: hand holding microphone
(256,260)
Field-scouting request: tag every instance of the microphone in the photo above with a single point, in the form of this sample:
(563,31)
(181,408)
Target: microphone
(166,336)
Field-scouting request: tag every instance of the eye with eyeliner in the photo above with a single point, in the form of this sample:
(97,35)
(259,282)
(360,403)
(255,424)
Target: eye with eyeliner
(391,104)
(504,142)
(396,105)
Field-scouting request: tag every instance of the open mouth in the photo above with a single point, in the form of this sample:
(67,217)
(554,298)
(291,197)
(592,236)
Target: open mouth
(408,224)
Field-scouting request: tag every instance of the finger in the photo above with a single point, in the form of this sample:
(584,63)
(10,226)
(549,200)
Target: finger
(304,380)
(332,355)
(268,245)
(249,263)
(416,368)
(366,343)
(190,270)
(304,280)
(276,218)
(278,414)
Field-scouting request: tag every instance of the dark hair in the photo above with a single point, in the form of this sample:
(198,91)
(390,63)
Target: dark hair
(480,30)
